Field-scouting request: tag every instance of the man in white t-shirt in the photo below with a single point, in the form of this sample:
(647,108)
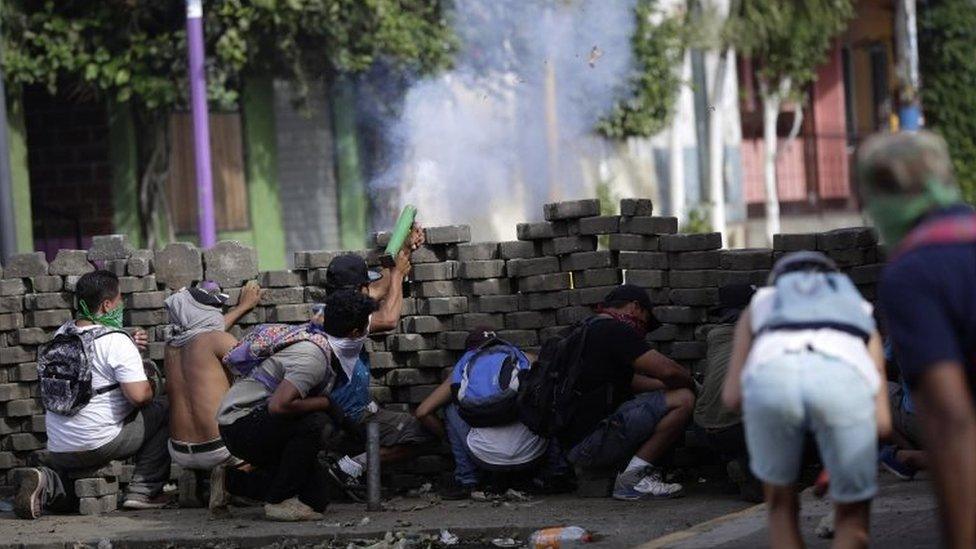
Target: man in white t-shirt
(121,420)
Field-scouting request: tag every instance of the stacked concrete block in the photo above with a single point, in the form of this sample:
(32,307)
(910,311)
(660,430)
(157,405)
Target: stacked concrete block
(526,290)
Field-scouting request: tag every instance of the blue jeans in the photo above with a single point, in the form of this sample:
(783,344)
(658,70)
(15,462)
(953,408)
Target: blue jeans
(796,393)
(618,436)
(466,471)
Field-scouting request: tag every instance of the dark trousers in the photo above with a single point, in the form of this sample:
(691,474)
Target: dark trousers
(284,450)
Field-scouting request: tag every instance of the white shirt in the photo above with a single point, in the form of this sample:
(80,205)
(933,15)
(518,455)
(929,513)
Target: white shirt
(511,444)
(843,346)
(116,360)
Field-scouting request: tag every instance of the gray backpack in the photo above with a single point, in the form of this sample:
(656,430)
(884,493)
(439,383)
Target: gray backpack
(64,369)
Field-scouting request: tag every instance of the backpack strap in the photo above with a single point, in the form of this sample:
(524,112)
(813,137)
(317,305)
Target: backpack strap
(953,229)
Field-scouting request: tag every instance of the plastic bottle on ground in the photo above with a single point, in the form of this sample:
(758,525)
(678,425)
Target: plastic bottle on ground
(559,537)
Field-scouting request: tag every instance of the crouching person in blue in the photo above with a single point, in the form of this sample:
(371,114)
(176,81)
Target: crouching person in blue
(275,415)
(490,445)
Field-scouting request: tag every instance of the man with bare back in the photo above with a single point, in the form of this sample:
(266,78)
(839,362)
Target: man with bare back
(196,380)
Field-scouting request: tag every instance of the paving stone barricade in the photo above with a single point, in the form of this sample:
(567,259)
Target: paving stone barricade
(527,290)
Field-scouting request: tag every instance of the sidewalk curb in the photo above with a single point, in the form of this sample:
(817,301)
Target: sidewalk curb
(700,528)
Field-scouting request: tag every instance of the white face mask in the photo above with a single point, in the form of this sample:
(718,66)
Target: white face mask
(347,350)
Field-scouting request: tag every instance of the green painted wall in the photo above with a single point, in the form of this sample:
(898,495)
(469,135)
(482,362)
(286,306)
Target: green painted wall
(123,159)
(352,192)
(20,174)
(268,234)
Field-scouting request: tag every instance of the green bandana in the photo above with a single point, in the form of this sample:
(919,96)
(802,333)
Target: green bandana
(112,319)
(896,215)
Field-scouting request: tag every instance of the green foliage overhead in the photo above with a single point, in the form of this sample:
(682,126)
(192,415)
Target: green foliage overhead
(658,44)
(947,50)
(787,39)
(135,50)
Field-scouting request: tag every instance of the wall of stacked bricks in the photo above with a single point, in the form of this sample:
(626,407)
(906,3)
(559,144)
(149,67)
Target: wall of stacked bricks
(527,290)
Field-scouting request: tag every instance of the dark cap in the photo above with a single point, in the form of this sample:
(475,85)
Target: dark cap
(627,293)
(478,336)
(349,271)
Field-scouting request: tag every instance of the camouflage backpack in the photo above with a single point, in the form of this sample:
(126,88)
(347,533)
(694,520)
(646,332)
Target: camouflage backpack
(264,341)
(64,368)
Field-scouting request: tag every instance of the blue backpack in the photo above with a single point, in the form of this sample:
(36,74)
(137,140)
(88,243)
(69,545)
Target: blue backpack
(352,394)
(485,383)
(812,300)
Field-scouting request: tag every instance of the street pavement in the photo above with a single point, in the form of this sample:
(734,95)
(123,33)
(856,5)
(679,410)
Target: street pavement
(708,516)
(903,515)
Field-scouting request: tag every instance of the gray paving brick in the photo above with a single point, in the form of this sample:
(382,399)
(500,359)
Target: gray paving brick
(691,242)
(230,263)
(46,284)
(529,320)
(539,231)
(453,341)
(636,206)
(110,246)
(747,259)
(12,304)
(852,237)
(471,321)
(14,286)
(699,297)
(496,304)
(140,263)
(517,249)
(178,264)
(429,254)
(642,260)
(534,266)
(649,225)
(645,278)
(425,324)
(603,224)
(676,314)
(25,265)
(596,277)
(434,271)
(587,260)
(477,251)
(569,244)
(299,312)
(71,262)
(442,306)
(492,268)
(47,319)
(572,209)
(687,261)
(145,300)
(634,242)
(438,288)
(280,279)
(489,286)
(544,283)
(410,342)
(451,234)
(544,301)
(573,314)
(520,338)
(794,242)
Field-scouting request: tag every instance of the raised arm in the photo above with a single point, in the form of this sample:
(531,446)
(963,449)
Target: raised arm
(392,304)
(250,297)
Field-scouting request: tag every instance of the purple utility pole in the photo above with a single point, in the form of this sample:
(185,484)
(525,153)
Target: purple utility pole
(207,226)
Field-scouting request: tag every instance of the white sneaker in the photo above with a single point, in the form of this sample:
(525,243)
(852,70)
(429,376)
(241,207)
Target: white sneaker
(290,510)
(653,485)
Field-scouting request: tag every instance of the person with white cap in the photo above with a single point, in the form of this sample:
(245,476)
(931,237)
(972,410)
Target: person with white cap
(807,358)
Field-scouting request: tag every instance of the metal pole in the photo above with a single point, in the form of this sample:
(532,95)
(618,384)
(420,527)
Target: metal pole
(8,226)
(207,226)
(906,40)
(373,467)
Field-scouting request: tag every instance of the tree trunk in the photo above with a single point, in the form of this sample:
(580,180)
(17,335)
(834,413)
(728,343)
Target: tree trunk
(716,156)
(155,217)
(771,102)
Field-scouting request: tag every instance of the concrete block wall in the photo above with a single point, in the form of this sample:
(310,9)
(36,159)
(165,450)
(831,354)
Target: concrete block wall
(527,290)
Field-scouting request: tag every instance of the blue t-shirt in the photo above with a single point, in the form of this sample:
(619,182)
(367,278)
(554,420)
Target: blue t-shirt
(353,394)
(928,299)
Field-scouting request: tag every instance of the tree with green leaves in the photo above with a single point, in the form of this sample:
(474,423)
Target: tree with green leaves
(947,42)
(133,52)
(786,41)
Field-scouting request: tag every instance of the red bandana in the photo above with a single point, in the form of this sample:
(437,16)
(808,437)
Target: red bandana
(636,324)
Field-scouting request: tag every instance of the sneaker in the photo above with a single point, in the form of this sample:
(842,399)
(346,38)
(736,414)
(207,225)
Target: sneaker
(889,459)
(456,491)
(650,485)
(290,510)
(353,487)
(27,501)
(141,501)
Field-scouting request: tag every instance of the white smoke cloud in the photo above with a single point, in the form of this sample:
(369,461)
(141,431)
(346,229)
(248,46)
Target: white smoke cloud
(511,126)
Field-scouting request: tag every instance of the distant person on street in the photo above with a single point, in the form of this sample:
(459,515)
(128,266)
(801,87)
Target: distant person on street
(634,402)
(807,358)
(927,296)
(100,406)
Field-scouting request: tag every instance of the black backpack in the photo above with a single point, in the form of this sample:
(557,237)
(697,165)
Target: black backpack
(547,391)
(64,368)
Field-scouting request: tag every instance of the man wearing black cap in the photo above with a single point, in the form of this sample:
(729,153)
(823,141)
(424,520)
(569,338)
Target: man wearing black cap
(634,402)
(400,432)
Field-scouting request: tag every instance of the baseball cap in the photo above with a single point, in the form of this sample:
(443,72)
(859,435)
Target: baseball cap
(349,271)
(626,293)
(208,293)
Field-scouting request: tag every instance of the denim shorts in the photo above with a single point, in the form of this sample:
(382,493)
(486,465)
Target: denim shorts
(796,393)
(618,436)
